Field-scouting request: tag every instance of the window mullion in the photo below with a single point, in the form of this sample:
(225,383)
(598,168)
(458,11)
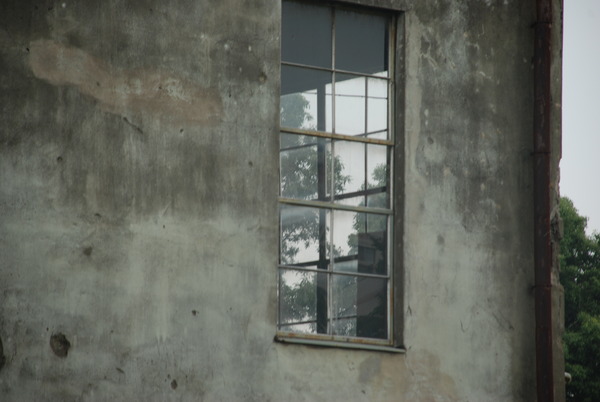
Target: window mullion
(333,74)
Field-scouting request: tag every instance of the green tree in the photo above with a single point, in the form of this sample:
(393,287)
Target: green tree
(580,277)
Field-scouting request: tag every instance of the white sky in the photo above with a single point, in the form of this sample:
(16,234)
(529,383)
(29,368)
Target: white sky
(580,165)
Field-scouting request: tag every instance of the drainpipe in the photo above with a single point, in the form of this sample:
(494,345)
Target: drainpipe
(542,203)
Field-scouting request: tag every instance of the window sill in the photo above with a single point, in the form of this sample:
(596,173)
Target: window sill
(339,344)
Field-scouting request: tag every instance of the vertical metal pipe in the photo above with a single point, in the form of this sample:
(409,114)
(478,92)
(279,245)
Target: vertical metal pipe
(542,202)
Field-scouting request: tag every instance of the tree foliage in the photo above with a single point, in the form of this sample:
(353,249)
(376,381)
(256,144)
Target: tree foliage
(580,277)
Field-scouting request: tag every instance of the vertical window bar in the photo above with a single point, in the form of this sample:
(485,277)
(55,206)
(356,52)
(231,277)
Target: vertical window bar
(333,130)
(391,60)
(366,106)
(391,274)
(333,78)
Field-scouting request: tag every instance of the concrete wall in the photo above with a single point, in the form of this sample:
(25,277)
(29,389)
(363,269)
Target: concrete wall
(138,207)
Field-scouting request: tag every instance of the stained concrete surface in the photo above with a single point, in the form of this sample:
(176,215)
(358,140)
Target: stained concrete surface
(138,206)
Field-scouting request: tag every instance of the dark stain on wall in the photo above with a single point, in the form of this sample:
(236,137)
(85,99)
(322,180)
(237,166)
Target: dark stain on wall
(60,344)
(2,357)
(88,251)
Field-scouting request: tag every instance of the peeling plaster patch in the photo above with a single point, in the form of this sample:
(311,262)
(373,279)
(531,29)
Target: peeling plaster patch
(125,92)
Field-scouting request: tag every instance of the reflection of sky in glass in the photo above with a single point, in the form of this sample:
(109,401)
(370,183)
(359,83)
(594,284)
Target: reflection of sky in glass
(350,105)
(352,157)
(350,119)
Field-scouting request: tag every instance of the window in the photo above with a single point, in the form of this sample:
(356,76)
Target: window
(336,162)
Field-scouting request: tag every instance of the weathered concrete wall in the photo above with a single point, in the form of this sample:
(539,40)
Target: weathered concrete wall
(138,185)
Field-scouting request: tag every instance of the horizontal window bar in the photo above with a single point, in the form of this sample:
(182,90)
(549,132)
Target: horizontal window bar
(290,323)
(331,205)
(336,259)
(344,137)
(322,271)
(287,63)
(329,320)
(361,193)
(371,191)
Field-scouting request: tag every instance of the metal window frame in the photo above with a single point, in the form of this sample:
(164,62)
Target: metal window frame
(395,146)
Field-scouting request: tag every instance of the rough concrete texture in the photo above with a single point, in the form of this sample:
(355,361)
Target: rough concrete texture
(138,202)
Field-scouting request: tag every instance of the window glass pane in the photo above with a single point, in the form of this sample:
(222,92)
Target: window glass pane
(350,104)
(372,246)
(303,234)
(359,306)
(360,242)
(305,167)
(306,34)
(361,42)
(305,98)
(298,301)
(346,225)
(377,176)
(371,308)
(377,105)
(344,297)
(349,166)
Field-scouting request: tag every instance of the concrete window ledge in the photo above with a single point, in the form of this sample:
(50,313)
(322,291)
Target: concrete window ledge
(342,345)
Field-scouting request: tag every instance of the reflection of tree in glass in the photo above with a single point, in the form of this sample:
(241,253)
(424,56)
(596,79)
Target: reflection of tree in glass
(374,223)
(369,243)
(299,180)
(299,177)
(294,111)
(300,231)
(298,301)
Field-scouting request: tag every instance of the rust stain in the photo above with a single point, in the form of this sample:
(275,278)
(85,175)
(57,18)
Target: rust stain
(125,91)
